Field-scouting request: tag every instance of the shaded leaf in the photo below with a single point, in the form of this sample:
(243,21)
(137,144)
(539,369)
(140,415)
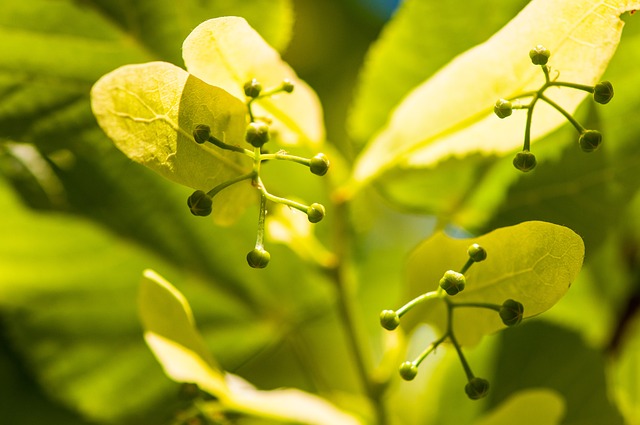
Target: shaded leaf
(226,52)
(451,113)
(533,263)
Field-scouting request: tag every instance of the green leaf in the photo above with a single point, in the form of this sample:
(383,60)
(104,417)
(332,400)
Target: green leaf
(226,52)
(170,332)
(624,371)
(150,111)
(533,263)
(410,48)
(451,113)
(528,407)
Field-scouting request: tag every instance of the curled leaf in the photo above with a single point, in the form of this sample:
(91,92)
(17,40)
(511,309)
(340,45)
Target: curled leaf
(226,52)
(533,263)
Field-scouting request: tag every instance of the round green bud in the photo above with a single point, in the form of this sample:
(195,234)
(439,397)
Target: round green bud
(525,161)
(315,212)
(252,88)
(452,282)
(200,203)
(389,319)
(477,388)
(202,133)
(477,253)
(258,258)
(603,92)
(408,371)
(257,134)
(511,312)
(319,164)
(590,140)
(287,85)
(539,55)
(503,108)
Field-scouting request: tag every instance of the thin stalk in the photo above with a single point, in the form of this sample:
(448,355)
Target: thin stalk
(213,192)
(567,115)
(422,298)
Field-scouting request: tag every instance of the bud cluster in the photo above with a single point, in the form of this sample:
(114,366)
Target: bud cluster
(589,140)
(257,135)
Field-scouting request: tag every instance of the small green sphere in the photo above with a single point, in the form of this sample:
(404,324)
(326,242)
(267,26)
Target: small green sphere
(315,212)
(252,88)
(603,92)
(319,164)
(452,282)
(408,371)
(200,203)
(258,258)
(257,134)
(477,253)
(202,133)
(287,85)
(503,108)
(511,312)
(539,55)
(477,388)
(525,161)
(590,140)
(389,319)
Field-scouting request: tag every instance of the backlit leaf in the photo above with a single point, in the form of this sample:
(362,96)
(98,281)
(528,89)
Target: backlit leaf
(150,111)
(533,263)
(226,52)
(528,407)
(451,113)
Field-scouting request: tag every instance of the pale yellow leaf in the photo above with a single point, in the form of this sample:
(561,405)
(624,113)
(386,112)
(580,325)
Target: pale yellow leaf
(226,52)
(451,114)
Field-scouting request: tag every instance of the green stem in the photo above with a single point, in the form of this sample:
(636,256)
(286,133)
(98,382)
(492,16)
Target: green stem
(466,266)
(286,157)
(567,115)
(454,341)
(527,128)
(261,221)
(489,306)
(429,349)
(213,192)
(408,306)
(223,145)
(583,87)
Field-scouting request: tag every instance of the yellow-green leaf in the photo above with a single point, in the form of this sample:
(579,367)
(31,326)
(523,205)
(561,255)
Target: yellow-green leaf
(533,262)
(171,334)
(539,406)
(226,52)
(150,111)
(451,113)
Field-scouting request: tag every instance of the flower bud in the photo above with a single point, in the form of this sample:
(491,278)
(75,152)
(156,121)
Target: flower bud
(200,203)
(315,212)
(590,140)
(319,164)
(603,92)
(511,312)
(408,371)
(287,85)
(503,108)
(477,388)
(258,258)
(252,88)
(477,253)
(525,161)
(202,133)
(452,282)
(257,134)
(389,319)
(539,55)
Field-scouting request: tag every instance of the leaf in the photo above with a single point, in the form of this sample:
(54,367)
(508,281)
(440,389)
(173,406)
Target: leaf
(226,52)
(410,48)
(533,262)
(451,113)
(170,332)
(624,372)
(528,407)
(150,111)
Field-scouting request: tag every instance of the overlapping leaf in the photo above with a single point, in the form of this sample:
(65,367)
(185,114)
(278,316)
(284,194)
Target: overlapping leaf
(532,262)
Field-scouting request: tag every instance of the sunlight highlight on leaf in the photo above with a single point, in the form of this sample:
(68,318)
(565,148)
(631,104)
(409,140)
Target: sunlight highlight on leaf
(451,113)
(533,263)
(530,407)
(226,52)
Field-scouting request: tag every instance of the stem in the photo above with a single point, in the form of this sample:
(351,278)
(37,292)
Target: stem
(261,220)
(454,341)
(567,115)
(408,306)
(489,306)
(286,157)
(583,87)
(527,128)
(213,192)
(222,145)
(430,349)
(466,266)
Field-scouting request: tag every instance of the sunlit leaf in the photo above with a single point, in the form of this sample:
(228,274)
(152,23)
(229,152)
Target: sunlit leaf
(451,113)
(226,52)
(533,263)
(150,111)
(528,407)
